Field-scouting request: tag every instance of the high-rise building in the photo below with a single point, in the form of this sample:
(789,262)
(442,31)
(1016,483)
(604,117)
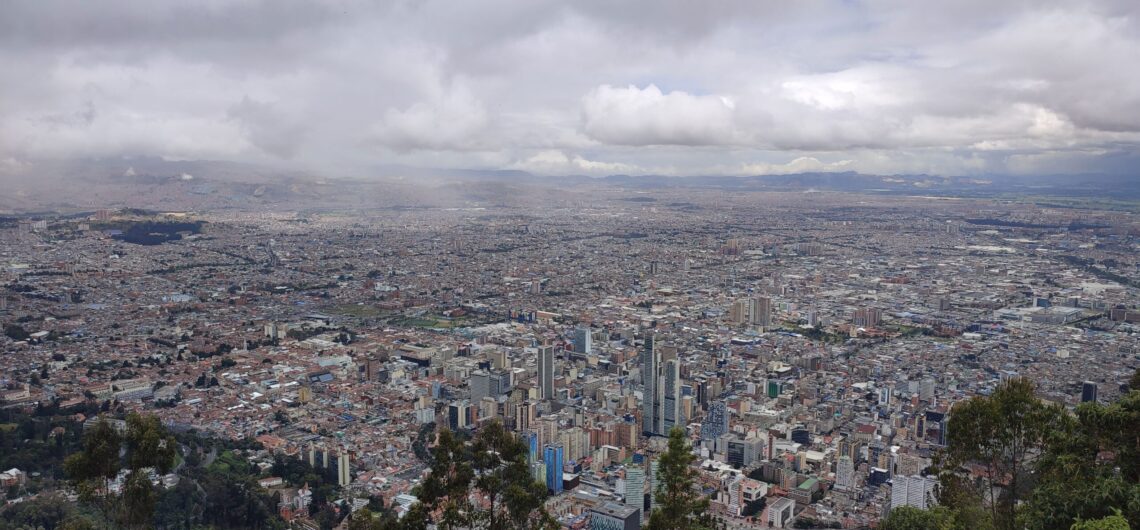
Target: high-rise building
(488,384)
(752,311)
(670,396)
(500,360)
(781,512)
(531,439)
(613,516)
(650,406)
(716,421)
(762,312)
(867,317)
(480,384)
(732,485)
(459,415)
(740,453)
(553,456)
(546,371)
(912,491)
(374,369)
(845,474)
(525,414)
(1088,392)
(635,489)
(583,340)
(738,313)
(343,470)
(654,484)
(926,389)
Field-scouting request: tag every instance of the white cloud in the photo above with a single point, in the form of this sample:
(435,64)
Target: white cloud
(803,164)
(454,120)
(268,127)
(555,162)
(634,116)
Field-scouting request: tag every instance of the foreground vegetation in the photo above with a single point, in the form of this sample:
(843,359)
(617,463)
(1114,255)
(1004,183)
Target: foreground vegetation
(1015,462)
(104,477)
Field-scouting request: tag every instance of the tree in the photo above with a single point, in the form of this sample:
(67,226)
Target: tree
(146,444)
(149,444)
(514,499)
(445,490)
(492,467)
(936,518)
(99,460)
(678,506)
(1091,466)
(1000,432)
(362,519)
(1112,522)
(16,332)
(139,499)
(1084,465)
(420,444)
(45,511)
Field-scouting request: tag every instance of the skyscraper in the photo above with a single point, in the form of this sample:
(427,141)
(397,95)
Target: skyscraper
(459,415)
(635,487)
(546,371)
(583,340)
(845,474)
(670,396)
(525,413)
(531,439)
(752,311)
(926,389)
(650,406)
(1088,392)
(654,483)
(488,384)
(762,312)
(552,456)
(343,470)
(480,385)
(912,491)
(716,421)
(739,312)
(867,317)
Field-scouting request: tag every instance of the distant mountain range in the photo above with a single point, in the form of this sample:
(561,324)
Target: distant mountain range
(158,184)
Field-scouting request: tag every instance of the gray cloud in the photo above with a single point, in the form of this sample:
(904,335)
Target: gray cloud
(268,127)
(674,87)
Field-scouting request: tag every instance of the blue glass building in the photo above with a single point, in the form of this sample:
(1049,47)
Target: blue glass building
(552,456)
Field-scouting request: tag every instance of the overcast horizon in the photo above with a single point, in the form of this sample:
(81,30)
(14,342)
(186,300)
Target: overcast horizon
(596,88)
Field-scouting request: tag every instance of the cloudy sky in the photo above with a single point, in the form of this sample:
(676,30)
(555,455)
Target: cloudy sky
(969,87)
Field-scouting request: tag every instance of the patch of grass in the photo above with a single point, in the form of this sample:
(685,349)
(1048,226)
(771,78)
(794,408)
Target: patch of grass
(428,322)
(358,311)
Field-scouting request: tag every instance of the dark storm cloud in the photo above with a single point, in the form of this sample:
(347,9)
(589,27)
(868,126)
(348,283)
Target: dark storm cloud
(670,87)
